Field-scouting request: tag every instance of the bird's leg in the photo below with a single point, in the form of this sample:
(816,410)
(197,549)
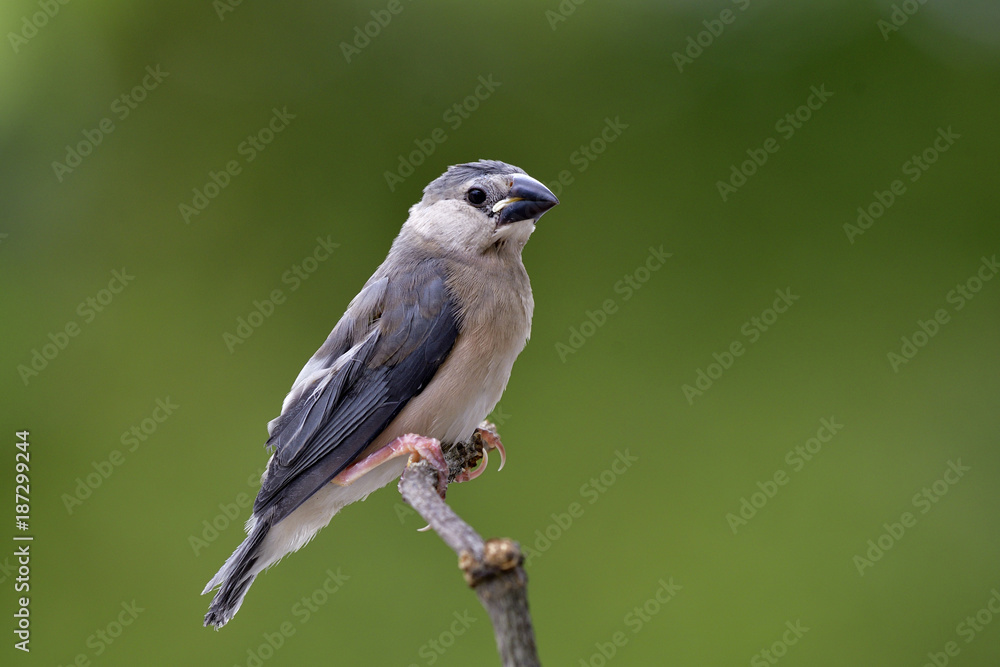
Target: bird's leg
(491,440)
(417,447)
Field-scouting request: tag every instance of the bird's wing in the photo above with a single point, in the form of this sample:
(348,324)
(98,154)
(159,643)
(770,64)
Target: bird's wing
(353,393)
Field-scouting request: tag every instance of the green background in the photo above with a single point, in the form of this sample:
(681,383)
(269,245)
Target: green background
(564,417)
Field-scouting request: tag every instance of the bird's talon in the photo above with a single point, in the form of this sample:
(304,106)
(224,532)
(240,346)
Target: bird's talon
(470,474)
(490,440)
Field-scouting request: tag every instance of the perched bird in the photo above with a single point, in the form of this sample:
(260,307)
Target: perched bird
(425,349)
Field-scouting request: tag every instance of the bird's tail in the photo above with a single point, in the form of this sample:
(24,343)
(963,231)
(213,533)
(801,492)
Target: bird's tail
(234,578)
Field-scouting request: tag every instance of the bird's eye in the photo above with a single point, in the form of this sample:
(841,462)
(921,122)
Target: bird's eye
(475,196)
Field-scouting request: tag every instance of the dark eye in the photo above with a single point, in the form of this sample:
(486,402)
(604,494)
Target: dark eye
(475,196)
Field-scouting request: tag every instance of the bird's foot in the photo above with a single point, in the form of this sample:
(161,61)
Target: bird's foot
(490,439)
(417,447)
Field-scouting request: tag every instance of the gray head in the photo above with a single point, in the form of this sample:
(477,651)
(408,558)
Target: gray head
(478,205)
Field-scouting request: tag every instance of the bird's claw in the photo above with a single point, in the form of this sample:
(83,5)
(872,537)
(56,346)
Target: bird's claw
(427,449)
(491,440)
(470,474)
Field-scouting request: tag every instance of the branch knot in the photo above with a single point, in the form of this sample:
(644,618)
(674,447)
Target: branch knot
(499,555)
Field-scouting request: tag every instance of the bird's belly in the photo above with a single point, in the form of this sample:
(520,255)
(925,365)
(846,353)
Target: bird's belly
(460,395)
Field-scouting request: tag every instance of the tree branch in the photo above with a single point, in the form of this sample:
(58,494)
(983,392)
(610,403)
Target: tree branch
(492,567)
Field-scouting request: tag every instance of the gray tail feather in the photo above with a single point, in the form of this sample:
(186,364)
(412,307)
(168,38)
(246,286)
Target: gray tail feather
(235,577)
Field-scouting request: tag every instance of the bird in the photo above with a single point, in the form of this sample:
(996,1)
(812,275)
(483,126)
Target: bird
(420,357)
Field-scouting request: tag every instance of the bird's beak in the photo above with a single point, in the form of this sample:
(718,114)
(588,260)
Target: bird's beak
(527,199)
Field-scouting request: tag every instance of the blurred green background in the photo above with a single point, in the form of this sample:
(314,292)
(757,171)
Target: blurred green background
(719,535)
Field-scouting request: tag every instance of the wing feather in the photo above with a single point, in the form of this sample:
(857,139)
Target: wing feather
(399,342)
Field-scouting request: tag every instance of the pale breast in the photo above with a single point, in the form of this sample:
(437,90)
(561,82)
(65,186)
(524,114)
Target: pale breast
(496,322)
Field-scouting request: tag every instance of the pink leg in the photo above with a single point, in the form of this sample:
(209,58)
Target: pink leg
(491,441)
(416,446)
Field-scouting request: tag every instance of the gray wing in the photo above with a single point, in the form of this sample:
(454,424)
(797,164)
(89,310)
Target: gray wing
(381,354)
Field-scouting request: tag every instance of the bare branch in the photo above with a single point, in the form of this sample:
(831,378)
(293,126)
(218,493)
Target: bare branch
(493,567)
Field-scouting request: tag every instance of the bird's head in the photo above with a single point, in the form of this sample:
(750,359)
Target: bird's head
(478,206)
